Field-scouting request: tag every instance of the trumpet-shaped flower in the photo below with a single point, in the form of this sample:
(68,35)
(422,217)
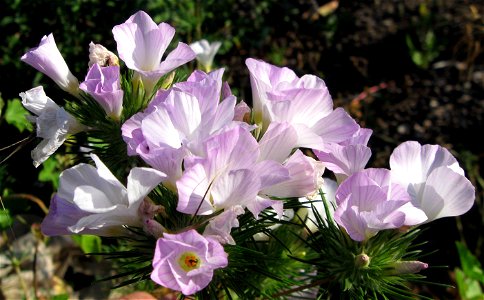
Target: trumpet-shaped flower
(142,43)
(433,178)
(91,200)
(185,262)
(103,84)
(205,52)
(47,59)
(53,123)
(368,201)
(280,96)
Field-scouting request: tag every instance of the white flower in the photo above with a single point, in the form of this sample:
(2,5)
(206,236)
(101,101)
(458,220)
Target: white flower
(433,178)
(92,200)
(205,52)
(54,124)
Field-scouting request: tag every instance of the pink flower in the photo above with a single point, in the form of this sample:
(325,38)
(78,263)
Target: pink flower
(305,103)
(47,59)
(185,262)
(103,84)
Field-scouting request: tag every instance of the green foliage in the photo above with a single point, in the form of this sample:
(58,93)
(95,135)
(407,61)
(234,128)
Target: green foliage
(88,243)
(342,273)
(15,115)
(60,297)
(470,279)
(5,219)
(424,47)
(50,171)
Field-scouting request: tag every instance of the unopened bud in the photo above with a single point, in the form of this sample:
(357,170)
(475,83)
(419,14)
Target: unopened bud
(362,260)
(168,81)
(408,267)
(98,54)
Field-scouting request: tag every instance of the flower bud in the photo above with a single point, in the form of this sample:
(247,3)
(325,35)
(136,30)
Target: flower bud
(362,261)
(408,267)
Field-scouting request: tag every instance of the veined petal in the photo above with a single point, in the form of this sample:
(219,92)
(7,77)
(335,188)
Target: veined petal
(193,192)
(277,142)
(336,127)
(446,194)
(344,159)
(159,130)
(47,59)
(179,56)
(237,187)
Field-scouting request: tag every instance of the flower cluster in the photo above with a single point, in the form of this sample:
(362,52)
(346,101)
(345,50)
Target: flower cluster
(214,184)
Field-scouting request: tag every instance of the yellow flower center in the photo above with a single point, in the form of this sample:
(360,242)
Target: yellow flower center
(189,261)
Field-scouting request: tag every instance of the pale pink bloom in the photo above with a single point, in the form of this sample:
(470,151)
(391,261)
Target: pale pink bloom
(53,123)
(280,96)
(177,121)
(344,160)
(348,156)
(142,43)
(433,178)
(92,200)
(369,201)
(47,59)
(186,261)
(228,174)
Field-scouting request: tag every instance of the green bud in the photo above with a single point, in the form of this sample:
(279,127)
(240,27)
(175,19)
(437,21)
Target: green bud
(362,261)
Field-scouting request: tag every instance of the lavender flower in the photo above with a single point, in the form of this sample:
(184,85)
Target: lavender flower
(103,84)
(185,262)
(141,45)
(47,59)
(368,201)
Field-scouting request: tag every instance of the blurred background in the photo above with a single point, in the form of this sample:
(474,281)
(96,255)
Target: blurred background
(409,70)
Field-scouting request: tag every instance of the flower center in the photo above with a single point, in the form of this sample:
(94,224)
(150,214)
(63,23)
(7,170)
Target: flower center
(189,261)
